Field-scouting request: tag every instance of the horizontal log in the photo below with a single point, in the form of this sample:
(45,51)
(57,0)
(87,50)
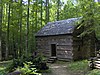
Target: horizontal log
(65,59)
(98,59)
(65,44)
(98,67)
(97,62)
(64,55)
(64,49)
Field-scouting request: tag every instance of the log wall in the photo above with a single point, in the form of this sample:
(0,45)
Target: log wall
(63,46)
(68,47)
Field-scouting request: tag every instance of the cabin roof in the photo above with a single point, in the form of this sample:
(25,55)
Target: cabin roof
(58,27)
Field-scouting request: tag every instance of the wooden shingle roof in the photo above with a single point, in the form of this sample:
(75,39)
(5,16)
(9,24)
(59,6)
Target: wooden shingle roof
(58,27)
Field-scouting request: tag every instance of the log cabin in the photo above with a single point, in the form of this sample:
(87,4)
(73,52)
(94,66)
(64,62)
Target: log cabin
(61,39)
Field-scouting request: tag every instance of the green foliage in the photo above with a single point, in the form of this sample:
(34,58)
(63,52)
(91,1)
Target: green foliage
(94,72)
(40,63)
(12,66)
(2,70)
(28,69)
(70,10)
(82,67)
(78,65)
(28,65)
(89,11)
(36,18)
(3,66)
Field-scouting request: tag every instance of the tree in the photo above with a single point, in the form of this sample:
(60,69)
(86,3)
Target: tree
(58,9)
(21,20)
(41,12)
(27,29)
(1,29)
(20,24)
(47,11)
(8,26)
(90,15)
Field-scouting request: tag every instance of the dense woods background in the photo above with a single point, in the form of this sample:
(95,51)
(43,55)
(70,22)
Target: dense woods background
(20,20)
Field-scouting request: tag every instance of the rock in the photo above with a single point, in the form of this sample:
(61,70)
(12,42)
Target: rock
(14,73)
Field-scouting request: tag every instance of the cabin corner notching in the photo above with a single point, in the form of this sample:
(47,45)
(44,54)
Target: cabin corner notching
(60,39)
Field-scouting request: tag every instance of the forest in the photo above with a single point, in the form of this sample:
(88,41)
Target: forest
(20,20)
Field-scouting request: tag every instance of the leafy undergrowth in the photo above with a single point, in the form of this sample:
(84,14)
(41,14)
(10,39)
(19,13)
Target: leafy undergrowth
(94,72)
(82,68)
(2,70)
(28,65)
(3,66)
(79,66)
(24,66)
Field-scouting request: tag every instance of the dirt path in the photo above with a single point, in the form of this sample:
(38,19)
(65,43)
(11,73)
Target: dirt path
(59,69)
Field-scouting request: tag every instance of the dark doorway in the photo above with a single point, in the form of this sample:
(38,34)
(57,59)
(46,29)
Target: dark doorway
(53,49)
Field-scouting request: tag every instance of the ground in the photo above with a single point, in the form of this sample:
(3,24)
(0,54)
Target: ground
(61,69)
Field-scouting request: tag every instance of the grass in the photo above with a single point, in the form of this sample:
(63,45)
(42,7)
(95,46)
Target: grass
(3,66)
(2,69)
(94,72)
(77,66)
(80,67)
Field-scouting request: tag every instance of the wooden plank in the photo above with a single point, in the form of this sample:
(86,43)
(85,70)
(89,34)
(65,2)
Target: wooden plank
(66,47)
(98,67)
(65,44)
(65,59)
(98,59)
(64,56)
(64,50)
(97,62)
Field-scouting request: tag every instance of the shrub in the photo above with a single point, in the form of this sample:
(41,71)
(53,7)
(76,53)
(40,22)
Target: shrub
(94,72)
(28,69)
(12,66)
(79,65)
(40,63)
(37,63)
(2,70)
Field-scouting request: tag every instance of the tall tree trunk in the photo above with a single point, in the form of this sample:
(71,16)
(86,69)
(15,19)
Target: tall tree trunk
(58,9)
(32,35)
(27,29)
(32,31)
(47,11)
(0,29)
(36,11)
(20,24)
(14,48)
(7,43)
(41,12)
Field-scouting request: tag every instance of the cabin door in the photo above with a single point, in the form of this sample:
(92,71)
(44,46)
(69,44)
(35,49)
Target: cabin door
(53,49)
